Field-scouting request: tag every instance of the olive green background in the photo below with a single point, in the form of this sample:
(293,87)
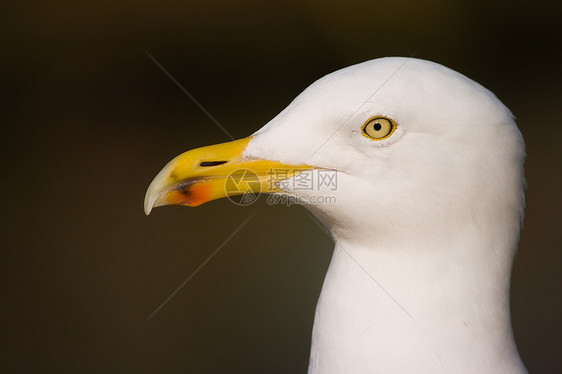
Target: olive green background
(88,120)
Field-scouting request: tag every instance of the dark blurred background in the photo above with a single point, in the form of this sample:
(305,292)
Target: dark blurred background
(88,120)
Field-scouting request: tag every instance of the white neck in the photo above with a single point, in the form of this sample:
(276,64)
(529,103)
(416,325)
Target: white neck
(437,309)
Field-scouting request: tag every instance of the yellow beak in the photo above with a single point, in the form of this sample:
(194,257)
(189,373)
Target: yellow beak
(208,173)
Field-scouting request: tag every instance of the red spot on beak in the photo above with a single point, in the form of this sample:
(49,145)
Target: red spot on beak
(192,195)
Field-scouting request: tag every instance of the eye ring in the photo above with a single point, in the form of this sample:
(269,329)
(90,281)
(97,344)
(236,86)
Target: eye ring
(378,128)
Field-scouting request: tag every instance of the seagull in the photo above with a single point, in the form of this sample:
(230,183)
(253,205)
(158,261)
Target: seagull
(425,214)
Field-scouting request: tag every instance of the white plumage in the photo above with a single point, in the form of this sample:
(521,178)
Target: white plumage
(432,213)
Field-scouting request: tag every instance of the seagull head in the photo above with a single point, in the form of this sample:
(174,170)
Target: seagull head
(382,148)
(417,173)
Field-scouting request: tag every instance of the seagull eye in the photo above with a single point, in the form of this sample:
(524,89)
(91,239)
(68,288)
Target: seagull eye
(379,128)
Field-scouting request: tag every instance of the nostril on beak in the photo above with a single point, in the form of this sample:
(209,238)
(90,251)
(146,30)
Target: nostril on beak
(212,163)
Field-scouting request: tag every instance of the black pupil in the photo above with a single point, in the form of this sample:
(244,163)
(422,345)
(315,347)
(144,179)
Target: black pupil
(377,126)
